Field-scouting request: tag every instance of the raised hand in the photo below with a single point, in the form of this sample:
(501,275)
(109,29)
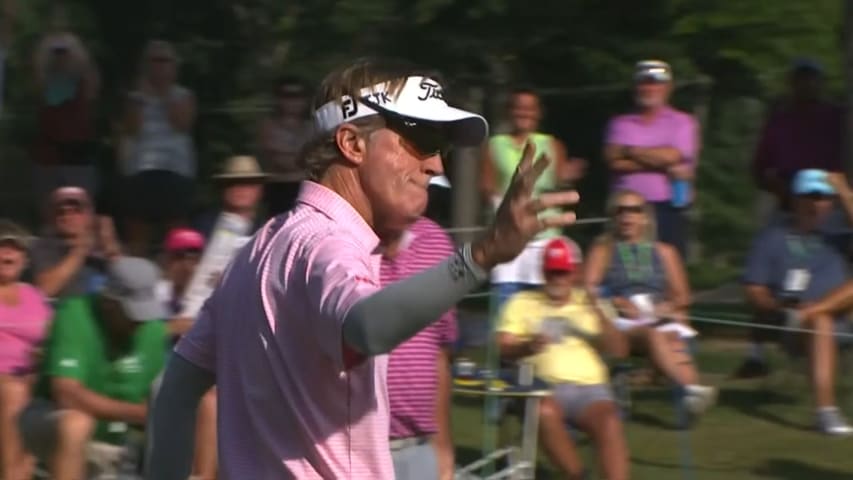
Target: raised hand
(517,220)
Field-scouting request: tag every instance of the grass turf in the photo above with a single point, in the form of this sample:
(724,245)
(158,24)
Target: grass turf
(761,429)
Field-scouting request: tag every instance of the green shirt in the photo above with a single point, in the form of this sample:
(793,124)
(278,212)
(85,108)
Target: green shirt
(506,154)
(77,348)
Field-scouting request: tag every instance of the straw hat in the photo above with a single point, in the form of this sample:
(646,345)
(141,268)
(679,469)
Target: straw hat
(241,167)
(13,233)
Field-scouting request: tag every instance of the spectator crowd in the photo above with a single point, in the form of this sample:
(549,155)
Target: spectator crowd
(91,306)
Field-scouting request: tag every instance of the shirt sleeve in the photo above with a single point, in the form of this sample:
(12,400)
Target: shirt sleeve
(614,134)
(339,274)
(42,257)
(759,261)
(687,140)
(511,318)
(66,356)
(198,346)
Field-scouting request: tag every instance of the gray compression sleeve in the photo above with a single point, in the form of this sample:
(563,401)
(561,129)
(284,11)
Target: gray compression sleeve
(172,420)
(389,317)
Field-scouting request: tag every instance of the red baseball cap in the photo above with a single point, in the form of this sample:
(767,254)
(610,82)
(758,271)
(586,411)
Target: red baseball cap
(181,239)
(561,255)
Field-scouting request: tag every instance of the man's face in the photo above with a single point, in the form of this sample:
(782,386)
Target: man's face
(72,219)
(395,178)
(290,103)
(162,69)
(652,94)
(806,85)
(117,324)
(559,283)
(12,262)
(525,112)
(243,195)
(812,209)
(181,266)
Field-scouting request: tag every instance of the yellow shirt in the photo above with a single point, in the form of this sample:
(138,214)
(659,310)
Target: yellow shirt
(572,359)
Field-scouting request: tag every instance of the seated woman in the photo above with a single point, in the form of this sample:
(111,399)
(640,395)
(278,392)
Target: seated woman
(646,282)
(24,317)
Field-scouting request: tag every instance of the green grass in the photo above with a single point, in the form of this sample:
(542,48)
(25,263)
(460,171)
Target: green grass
(760,429)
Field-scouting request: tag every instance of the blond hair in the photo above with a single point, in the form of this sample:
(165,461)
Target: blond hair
(321,152)
(79,63)
(608,238)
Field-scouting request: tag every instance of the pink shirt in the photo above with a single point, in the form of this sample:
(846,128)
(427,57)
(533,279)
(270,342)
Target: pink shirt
(669,128)
(22,329)
(412,368)
(271,332)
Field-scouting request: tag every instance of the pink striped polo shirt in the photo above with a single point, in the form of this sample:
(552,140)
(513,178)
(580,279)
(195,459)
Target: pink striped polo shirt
(412,369)
(289,407)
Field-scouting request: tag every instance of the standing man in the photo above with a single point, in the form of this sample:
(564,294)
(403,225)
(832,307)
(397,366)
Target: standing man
(654,149)
(296,334)
(804,132)
(419,380)
(497,165)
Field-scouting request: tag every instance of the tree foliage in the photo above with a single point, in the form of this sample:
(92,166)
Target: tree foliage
(580,52)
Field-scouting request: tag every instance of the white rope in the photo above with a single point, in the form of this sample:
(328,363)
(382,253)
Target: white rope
(581,221)
(763,326)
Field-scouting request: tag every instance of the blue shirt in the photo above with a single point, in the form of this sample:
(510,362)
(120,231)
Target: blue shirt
(777,251)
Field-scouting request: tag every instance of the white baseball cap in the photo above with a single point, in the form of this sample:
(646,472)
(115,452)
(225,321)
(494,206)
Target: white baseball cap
(421,98)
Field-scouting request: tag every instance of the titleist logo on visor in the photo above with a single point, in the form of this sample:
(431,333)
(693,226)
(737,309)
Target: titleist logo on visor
(430,89)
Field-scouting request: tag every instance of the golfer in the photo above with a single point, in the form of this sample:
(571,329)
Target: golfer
(297,333)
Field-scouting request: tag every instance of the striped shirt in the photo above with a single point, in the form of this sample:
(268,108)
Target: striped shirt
(412,368)
(291,402)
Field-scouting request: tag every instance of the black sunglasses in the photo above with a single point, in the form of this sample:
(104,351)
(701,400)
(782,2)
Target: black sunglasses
(620,209)
(427,138)
(817,196)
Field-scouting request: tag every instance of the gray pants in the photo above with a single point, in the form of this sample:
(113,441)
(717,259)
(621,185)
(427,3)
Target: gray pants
(417,462)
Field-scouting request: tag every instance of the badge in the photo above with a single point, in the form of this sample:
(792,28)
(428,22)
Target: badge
(797,280)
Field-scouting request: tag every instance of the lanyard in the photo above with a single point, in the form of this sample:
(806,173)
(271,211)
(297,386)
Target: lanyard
(800,247)
(637,260)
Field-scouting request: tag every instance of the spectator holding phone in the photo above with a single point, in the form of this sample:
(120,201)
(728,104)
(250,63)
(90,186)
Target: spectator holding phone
(561,329)
(24,318)
(71,257)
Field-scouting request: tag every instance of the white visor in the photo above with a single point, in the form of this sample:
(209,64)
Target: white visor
(421,98)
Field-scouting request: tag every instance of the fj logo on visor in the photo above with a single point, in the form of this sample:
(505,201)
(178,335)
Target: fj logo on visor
(430,90)
(348,107)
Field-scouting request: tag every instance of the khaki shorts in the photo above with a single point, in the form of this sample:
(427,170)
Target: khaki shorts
(39,424)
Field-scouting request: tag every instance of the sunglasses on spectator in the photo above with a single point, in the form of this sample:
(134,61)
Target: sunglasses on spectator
(69,208)
(186,254)
(817,196)
(622,209)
